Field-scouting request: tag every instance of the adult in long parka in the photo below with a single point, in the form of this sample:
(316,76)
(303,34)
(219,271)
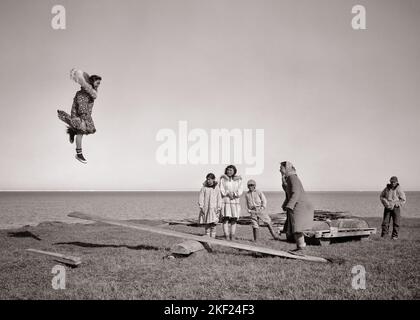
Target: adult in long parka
(287,228)
(300,211)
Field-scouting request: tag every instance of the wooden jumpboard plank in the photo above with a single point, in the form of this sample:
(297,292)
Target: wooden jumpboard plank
(182,235)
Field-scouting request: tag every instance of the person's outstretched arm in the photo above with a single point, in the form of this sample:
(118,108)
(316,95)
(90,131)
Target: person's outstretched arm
(82,79)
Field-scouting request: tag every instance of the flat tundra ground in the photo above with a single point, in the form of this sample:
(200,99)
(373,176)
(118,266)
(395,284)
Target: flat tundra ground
(121,263)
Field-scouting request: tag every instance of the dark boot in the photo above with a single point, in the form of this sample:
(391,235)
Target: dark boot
(255,233)
(290,238)
(297,251)
(79,156)
(71,134)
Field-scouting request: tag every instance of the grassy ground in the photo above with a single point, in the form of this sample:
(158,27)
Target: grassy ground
(121,263)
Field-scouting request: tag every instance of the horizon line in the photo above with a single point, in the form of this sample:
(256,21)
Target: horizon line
(183,190)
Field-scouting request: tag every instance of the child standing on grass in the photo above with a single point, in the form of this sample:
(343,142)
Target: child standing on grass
(210,203)
(257,203)
(231,189)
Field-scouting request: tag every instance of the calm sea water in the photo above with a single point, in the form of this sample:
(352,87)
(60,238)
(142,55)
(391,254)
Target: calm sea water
(30,208)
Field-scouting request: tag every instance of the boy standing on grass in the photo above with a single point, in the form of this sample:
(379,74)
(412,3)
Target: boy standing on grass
(393,198)
(257,203)
(210,203)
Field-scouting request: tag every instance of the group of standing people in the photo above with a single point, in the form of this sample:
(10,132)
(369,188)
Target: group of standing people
(220,201)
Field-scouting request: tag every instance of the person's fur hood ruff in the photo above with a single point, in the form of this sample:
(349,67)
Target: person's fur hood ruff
(235,178)
(205,184)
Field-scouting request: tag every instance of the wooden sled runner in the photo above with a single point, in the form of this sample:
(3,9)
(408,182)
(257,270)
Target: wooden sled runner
(344,232)
(201,239)
(325,237)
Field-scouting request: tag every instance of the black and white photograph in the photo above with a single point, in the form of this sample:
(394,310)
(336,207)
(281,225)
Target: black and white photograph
(216,151)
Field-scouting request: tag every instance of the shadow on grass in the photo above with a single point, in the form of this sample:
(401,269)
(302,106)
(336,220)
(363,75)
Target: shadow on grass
(23,234)
(98,245)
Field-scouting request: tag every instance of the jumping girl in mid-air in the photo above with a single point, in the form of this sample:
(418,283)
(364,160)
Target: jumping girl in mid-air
(80,120)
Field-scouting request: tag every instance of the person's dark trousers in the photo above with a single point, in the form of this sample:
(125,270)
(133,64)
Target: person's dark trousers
(396,216)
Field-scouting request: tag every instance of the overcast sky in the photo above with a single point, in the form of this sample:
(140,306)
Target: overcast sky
(341,104)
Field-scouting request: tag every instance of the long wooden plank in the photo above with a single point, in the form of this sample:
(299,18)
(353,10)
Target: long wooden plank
(71,260)
(182,235)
